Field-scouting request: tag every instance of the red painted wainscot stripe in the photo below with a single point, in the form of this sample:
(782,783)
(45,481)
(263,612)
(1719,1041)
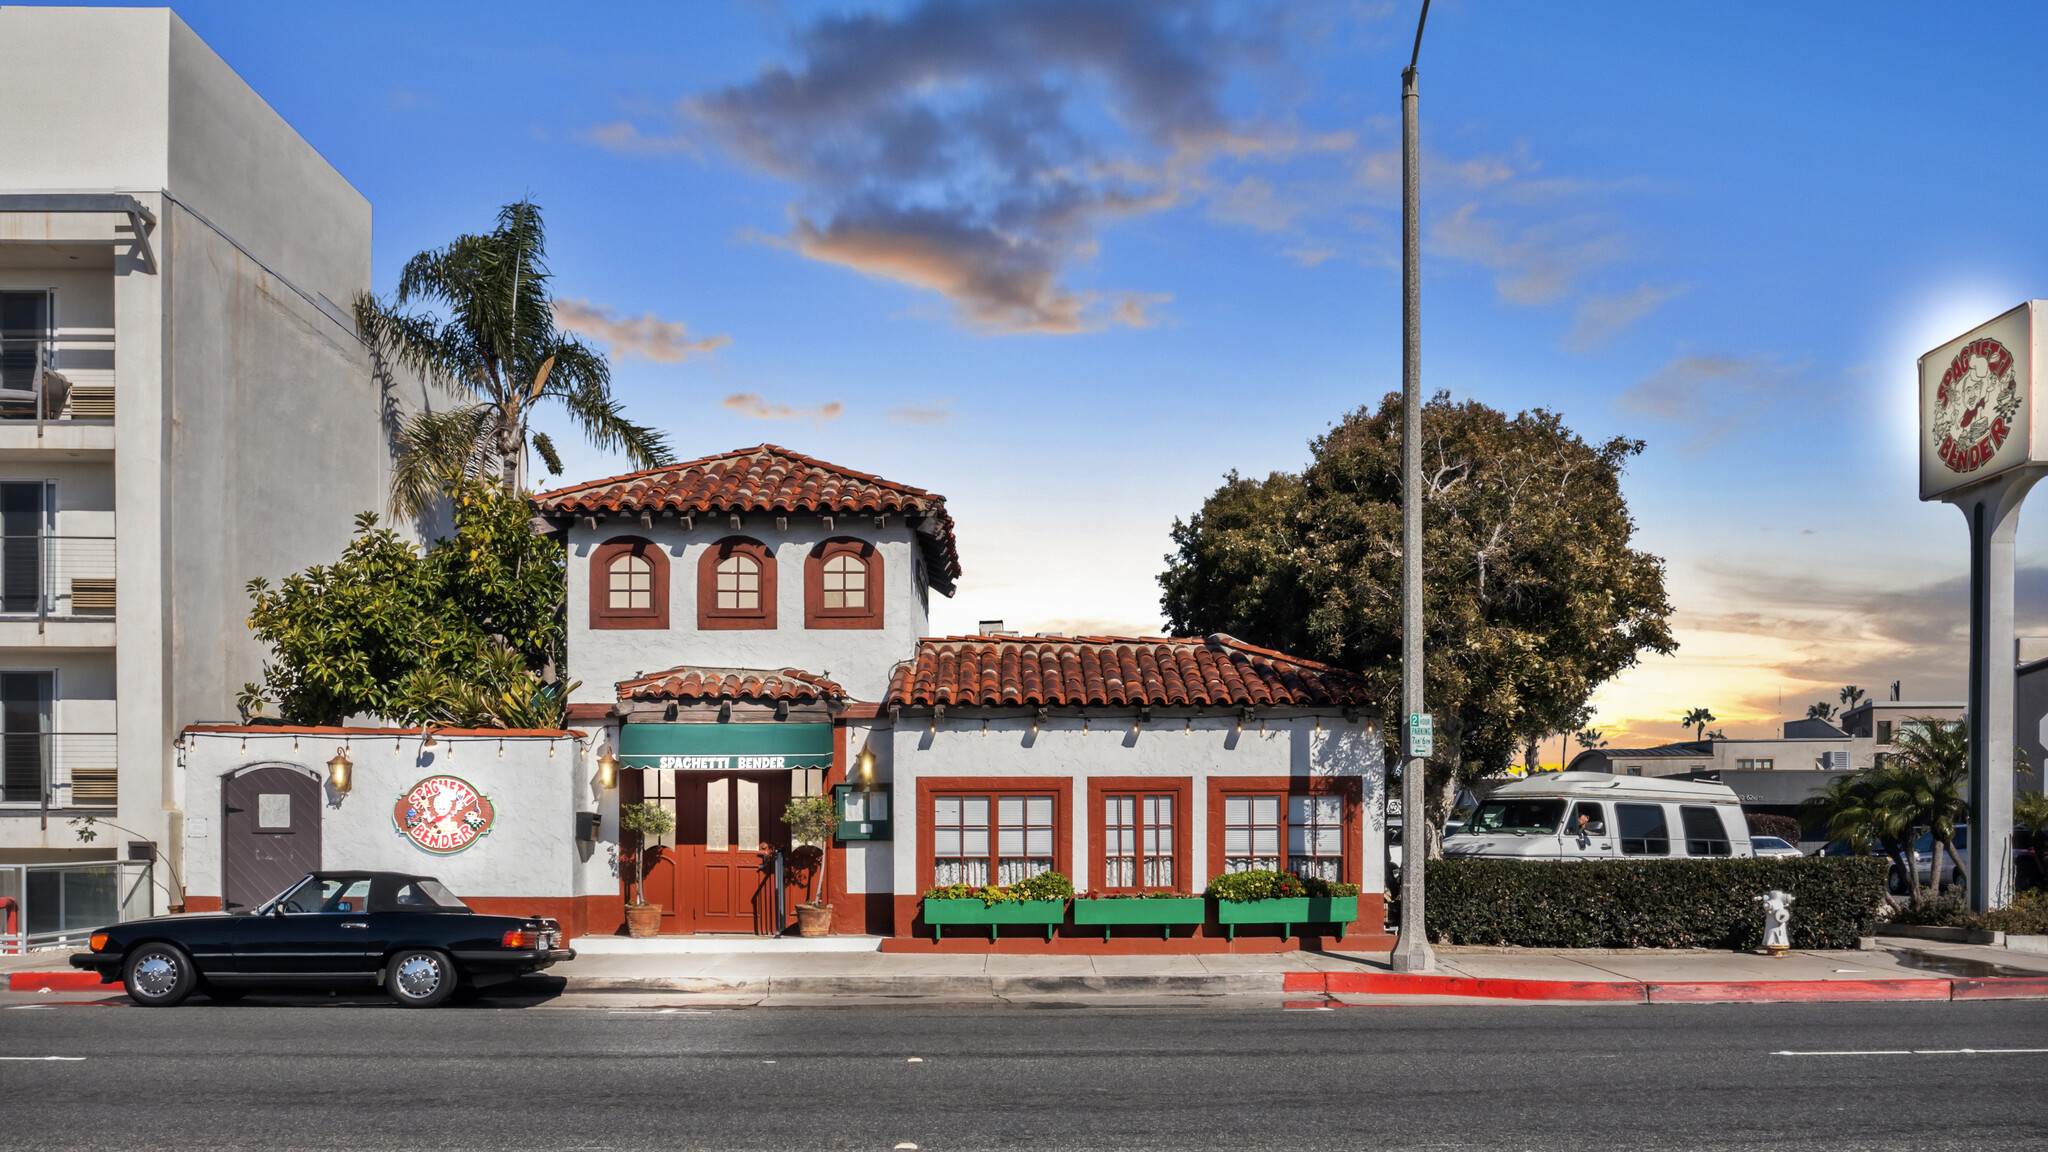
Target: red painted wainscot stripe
(1409,984)
(1723,991)
(2001,988)
(54,981)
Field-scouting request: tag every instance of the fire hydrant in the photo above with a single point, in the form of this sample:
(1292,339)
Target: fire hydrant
(1777,921)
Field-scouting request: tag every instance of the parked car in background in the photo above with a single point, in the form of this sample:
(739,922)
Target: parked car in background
(407,934)
(1772,846)
(1597,816)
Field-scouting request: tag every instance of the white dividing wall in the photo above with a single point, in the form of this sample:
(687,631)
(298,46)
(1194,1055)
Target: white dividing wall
(860,659)
(1196,748)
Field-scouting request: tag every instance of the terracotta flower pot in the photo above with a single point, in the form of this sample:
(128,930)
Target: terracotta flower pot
(643,920)
(814,919)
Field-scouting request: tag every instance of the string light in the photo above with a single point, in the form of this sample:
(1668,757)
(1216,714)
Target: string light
(501,748)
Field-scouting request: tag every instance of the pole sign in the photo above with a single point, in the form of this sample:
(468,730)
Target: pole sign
(1977,409)
(1421,735)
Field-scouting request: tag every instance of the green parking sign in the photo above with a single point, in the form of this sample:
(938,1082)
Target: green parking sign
(1421,735)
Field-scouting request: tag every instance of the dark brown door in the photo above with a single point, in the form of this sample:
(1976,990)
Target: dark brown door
(270,834)
(711,874)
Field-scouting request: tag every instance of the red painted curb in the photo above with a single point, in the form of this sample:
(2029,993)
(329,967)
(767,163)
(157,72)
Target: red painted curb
(1410,984)
(2000,988)
(1793,991)
(54,981)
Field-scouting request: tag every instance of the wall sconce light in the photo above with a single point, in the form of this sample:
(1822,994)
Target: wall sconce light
(607,768)
(339,775)
(864,767)
(501,749)
(428,743)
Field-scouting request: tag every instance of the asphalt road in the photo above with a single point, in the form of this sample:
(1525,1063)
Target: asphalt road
(1509,1077)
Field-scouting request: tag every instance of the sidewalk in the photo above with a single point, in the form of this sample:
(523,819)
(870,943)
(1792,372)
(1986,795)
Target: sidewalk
(748,972)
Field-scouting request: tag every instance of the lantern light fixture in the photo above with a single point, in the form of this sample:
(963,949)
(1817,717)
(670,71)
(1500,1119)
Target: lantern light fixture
(607,768)
(339,774)
(864,767)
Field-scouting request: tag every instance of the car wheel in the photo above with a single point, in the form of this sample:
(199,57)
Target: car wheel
(420,978)
(1895,882)
(159,975)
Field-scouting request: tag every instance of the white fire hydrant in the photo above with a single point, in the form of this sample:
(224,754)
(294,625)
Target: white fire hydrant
(1777,921)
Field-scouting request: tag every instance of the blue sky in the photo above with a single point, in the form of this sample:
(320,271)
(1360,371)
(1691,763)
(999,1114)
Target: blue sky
(1070,262)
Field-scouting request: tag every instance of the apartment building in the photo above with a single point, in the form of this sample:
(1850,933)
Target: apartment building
(184,405)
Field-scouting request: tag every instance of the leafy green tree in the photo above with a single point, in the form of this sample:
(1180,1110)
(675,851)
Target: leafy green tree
(647,820)
(1533,596)
(497,346)
(468,634)
(813,820)
(1697,718)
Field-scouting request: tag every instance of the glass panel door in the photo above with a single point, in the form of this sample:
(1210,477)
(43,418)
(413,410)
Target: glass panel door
(22,508)
(24,728)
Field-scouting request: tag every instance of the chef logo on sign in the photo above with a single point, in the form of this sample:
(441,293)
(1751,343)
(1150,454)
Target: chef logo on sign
(443,814)
(1976,402)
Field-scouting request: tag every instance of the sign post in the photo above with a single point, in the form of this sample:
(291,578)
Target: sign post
(1983,445)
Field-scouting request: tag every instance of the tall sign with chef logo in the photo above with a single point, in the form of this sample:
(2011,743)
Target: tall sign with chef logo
(1977,409)
(444,814)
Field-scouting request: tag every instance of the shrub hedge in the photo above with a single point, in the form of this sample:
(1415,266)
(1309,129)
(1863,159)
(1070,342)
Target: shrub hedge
(1650,903)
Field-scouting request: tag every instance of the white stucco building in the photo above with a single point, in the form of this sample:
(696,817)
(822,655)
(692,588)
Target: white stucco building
(185,405)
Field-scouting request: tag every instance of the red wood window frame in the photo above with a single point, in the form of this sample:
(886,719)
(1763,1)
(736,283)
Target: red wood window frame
(602,613)
(1348,790)
(931,789)
(761,614)
(1179,791)
(820,584)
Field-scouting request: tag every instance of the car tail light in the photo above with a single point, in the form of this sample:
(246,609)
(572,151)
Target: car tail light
(521,938)
(99,941)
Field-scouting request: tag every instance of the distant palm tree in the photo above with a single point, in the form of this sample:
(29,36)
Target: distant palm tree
(1697,718)
(1820,710)
(1589,739)
(1930,786)
(1850,695)
(499,347)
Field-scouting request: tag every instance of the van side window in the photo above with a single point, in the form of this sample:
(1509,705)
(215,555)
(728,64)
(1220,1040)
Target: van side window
(1642,830)
(1705,835)
(1595,820)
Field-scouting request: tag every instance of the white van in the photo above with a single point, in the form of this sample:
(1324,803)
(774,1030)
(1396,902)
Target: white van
(1595,816)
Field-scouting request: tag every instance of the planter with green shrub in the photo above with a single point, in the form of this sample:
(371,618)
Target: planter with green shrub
(1651,903)
(1163,909)
(1264,897)
(1040,900)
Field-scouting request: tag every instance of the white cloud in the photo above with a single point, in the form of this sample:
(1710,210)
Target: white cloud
(666,341)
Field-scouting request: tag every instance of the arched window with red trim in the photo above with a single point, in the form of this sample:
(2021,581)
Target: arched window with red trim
(628,584)
(736,585)
(843,584)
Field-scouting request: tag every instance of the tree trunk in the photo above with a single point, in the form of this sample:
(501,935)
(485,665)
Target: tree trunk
(1440,784)
(1949,845)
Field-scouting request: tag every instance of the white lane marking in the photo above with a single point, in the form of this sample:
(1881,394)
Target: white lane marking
(30,1007)
(1921,1052)
(915,1060)
(42,1058)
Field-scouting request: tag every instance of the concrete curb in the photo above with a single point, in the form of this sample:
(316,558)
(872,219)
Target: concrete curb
(940,987)
(1669,992)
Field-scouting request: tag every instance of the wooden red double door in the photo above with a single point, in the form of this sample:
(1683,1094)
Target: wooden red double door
(716,871)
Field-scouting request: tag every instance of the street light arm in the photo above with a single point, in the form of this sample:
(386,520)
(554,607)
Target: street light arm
(1420,21)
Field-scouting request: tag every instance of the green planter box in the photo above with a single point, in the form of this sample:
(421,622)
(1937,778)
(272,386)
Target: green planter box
(1337,910)
(1165,913)
(939,913)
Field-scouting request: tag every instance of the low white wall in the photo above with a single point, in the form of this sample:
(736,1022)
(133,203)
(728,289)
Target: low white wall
(530,850)
(1197,748)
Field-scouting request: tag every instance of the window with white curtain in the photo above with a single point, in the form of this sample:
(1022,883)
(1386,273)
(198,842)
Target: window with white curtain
(1023,837)
(1251,833)
(1137,841)
(1315,837)
(960,840)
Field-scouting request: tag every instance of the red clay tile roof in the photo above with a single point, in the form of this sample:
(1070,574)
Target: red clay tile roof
(768,478)
(689,683)
(1207,671)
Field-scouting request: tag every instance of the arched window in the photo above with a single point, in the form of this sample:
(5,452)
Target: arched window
(843,585)
(736,585)
(628,584)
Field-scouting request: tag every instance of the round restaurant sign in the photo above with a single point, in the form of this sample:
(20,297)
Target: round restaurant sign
(443,814)
(1974,405)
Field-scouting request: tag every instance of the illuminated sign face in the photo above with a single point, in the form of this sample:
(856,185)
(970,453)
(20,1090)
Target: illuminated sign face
(1977,405)
(443,814)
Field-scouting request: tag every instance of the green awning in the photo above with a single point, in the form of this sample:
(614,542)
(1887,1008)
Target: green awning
(726,747)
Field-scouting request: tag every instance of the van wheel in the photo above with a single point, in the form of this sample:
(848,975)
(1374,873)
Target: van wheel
(420,978)
(159,975)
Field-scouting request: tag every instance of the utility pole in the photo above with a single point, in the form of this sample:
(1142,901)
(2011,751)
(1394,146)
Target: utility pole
(1413,953)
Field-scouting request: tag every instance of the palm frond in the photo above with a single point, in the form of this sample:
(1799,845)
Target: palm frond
(546,448)
(438,452)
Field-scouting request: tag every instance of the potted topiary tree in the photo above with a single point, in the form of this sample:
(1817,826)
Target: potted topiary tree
(644,819)
(813,820)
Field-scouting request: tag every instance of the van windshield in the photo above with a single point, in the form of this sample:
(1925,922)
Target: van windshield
(1522,816)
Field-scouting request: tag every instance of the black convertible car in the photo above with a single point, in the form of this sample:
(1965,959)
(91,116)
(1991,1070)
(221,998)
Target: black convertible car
(407,933)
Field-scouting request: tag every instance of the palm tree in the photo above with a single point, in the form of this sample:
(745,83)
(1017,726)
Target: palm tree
(1850,695)
(1820,710)
(497,346)
(1854,810)
(1589,739)
(1699,718)
(2031,809)
(1930,786)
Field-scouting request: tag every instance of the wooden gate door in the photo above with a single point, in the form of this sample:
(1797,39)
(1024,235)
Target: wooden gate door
(270,834)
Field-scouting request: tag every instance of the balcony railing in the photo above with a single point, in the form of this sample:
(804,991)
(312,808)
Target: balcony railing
(60,904)
(62,770)
(62,576)
(31,387)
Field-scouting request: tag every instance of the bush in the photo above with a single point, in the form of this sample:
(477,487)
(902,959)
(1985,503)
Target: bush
(2027,915)
(1044,886)
(1260,884)
(1783,827)
(1650,903)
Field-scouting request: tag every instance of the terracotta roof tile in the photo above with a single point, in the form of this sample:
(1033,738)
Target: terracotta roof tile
(687,684)
(1208,671)
(768,478)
